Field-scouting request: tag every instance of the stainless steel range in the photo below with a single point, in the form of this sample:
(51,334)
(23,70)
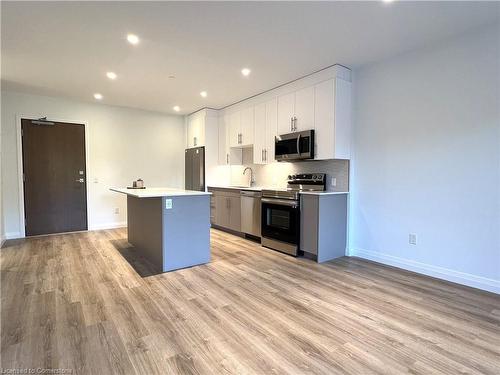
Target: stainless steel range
(281,212)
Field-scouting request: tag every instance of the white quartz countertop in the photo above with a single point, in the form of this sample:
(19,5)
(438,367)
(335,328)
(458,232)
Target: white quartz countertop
(260,188)
(326,192)
(158,192)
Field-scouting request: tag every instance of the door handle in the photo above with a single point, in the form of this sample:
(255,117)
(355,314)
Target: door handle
(80,180)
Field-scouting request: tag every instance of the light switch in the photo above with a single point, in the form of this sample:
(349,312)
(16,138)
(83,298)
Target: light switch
(168,204)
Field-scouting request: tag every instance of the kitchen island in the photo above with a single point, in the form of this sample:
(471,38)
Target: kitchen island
(170,227)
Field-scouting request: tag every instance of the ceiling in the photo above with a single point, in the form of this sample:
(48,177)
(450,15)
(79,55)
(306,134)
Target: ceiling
(65,49)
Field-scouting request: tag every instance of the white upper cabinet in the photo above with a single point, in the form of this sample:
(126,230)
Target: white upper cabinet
(223,156)
(259,144)
(304,109)
(271,129)
(286,111)
(296,111)
(247,127)
(332,125)
(234,129)
(227,155)
(196,129)
(241,128)
(266,121)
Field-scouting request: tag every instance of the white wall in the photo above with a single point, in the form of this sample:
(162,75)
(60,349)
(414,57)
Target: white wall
(123,145)
(426,160)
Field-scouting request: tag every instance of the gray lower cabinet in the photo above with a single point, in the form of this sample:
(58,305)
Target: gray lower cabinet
(225,210)
(323,225)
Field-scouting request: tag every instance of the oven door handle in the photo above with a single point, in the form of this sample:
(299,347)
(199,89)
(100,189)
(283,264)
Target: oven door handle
(282,202)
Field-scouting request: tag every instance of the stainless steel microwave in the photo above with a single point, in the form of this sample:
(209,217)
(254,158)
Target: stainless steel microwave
(294,146)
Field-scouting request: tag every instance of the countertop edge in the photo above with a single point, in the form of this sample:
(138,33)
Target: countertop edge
(151,194)
(260,188)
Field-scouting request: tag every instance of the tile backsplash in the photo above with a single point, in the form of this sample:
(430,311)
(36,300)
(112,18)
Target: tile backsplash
(275,174)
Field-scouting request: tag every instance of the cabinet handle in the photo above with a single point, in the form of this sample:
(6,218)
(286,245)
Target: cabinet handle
(194,141)
(294,123)
(262,155)
(227,158)
(265,154)
(291,123)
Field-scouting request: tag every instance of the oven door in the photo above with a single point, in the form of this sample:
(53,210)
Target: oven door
(281,220)
(294,146)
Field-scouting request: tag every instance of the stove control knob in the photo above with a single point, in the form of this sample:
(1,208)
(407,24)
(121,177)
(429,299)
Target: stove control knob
(289,177)
(293,177)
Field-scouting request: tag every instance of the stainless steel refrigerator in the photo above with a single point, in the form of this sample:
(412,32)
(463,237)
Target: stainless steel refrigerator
(194,165)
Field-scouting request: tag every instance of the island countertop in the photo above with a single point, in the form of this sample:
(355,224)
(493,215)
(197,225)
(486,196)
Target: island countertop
(158,192)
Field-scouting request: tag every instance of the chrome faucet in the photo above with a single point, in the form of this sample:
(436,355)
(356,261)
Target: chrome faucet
(252,181)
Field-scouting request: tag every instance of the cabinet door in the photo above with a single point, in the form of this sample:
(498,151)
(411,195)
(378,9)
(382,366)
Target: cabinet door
(271,129)
(304,109)
(324,120)
(234,213)
(221,210)
(190,132)
(286,111)
(260,134)
(196,130)
(234,129)
(247,126)
(223,152)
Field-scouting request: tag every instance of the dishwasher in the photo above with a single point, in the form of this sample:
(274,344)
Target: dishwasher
(250,212)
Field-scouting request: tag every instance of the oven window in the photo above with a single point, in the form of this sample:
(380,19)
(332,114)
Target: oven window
(279,219)
(280,222)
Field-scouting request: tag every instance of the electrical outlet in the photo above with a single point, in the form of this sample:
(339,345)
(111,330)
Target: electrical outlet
(168,204)
(117,210)
(333,181)
(412,239)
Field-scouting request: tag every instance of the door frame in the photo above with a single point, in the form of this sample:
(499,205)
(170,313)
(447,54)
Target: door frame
(20,182)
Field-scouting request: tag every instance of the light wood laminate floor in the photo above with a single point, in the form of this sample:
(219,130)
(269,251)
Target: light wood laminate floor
(74,301)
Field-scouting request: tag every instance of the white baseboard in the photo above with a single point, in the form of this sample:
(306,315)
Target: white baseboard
(12,235)
(113,225)
(458,277)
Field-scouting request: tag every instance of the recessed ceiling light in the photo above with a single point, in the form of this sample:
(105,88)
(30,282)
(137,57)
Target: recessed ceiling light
(387,1)
(132,38)
(111,75)
(203,94)
(245,72)
(177,108)
(98,96)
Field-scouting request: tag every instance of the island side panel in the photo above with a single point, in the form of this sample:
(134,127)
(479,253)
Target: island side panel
(186,231)
(144,221)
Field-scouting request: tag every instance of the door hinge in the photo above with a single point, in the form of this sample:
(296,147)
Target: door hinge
(24,177)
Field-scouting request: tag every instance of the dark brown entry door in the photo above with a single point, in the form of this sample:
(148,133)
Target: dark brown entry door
(55,198)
